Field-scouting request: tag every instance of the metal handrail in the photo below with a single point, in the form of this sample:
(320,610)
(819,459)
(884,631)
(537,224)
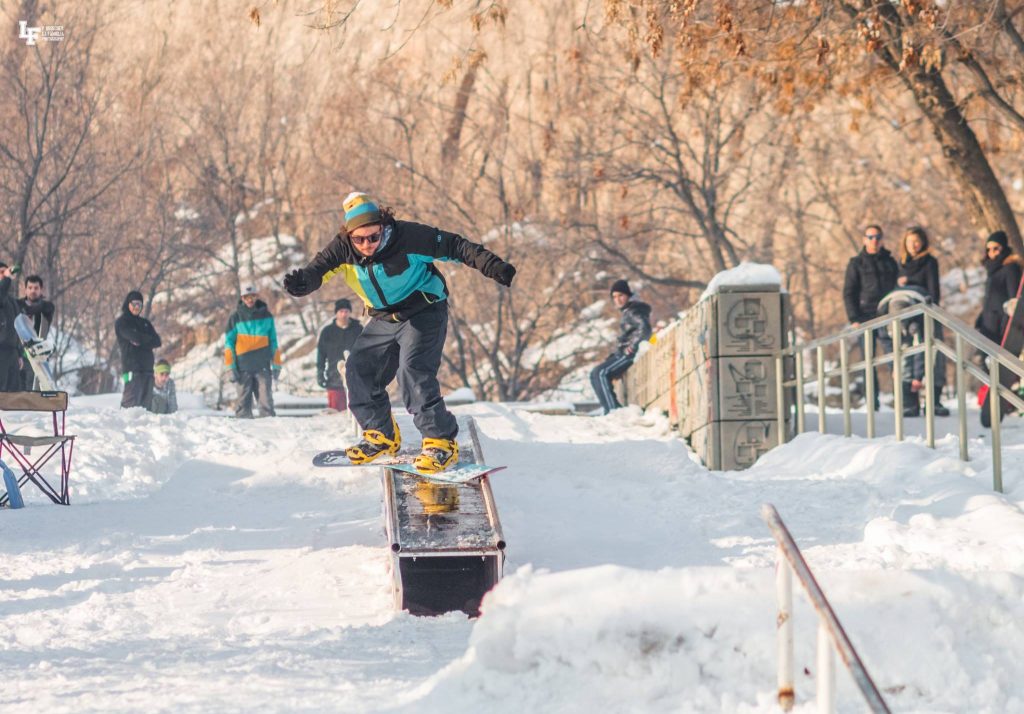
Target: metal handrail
(830,631)
(963,334)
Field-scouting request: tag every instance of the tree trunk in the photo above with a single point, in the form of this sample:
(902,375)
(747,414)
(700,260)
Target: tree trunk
(986,199)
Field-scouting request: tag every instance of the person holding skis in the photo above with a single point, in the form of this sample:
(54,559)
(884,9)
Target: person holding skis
(634,328)
(1004,274)
(337,338)
(136,339)
(390,265)
(252,355)
(40,311)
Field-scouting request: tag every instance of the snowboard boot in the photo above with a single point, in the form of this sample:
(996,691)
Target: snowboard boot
(437,455)
(375,443)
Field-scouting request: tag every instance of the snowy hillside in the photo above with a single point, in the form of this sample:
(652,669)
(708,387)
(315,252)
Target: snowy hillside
(205,567)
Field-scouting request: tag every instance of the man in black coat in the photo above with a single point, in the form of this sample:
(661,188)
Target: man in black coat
(870,276)
(335,340)
(136,339)
(634,328)
(40,312)
(10,345)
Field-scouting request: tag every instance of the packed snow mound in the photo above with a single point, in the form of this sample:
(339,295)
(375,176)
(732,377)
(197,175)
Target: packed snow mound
(204,565)
(750,274)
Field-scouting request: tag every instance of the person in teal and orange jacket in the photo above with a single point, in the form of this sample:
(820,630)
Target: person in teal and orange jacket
(252,354)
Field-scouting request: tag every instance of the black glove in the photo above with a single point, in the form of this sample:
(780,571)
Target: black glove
(301,282)
(322,380)
(503,273)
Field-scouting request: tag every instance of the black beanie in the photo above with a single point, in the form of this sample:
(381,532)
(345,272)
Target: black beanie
(1000,238)
(342,304)
(621,286)
(134,295)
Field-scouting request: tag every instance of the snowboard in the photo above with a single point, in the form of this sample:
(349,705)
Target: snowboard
(336,458)
(458,474)
(1012,342)
(36,351)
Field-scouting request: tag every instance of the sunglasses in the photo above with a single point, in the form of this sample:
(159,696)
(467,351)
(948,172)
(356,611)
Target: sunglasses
(873,236)
(363,240)
(136,303)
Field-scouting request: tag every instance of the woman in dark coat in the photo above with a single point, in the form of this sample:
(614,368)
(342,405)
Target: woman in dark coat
(1004,274)
(920,269)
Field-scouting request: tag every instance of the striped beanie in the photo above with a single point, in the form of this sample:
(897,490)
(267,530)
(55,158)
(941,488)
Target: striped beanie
(360,210)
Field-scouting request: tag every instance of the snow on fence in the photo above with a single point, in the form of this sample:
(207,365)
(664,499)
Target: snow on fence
(713,372)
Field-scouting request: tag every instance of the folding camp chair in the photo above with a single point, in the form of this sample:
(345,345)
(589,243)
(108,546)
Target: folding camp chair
(20,446)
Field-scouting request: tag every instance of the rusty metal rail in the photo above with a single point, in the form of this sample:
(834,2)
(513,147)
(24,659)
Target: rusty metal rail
(831,635)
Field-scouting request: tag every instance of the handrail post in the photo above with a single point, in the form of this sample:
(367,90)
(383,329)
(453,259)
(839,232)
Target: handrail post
(784,625)
(799,391)
(844,384)
(780,398)
(897,377)
(869,381)
(961,396)
(821,389)
(826,672)
(929,381)
(996,412)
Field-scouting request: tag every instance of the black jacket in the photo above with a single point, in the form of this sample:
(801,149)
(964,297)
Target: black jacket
(137,340)
(634,326)
(923,271)
(868,279)
(400,279)
(1004,276)
(330,349)
(39,312)
(8,312)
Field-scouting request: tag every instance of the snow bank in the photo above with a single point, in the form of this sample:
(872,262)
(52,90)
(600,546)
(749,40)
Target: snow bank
(753,274)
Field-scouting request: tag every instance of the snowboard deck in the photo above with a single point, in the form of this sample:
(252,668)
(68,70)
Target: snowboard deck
(336,458)
(462,472)
(36,351)
(1012,342)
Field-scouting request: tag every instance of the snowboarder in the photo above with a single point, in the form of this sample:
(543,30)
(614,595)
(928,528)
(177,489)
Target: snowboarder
(335,340)
(390,264)
(10,346)
(40,311)
(252,355)
(165,396)
(136,339)
(634,328)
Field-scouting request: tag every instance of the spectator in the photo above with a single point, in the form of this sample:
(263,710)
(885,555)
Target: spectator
(390,263)
(1004,276)
(335,340)
(136,339)
(919,269)
(252,355)
(40,312)
(165,396)
(10,346)
(634,328)
(870,275)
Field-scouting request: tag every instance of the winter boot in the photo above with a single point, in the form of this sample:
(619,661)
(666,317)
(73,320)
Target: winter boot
(375,443)
(437,455)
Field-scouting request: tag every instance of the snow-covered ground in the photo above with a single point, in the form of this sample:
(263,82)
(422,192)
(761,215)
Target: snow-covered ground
(204,566)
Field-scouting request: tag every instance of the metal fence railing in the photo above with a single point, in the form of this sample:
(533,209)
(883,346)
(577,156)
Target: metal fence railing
(963,337)
(831,635)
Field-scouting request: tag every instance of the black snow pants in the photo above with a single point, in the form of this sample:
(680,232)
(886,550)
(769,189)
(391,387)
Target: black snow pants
(10,372)
(139,391)
(411,350)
